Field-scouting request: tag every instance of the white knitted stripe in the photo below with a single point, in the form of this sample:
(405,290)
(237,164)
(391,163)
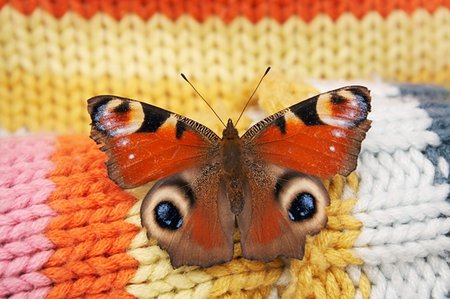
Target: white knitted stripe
(404,214)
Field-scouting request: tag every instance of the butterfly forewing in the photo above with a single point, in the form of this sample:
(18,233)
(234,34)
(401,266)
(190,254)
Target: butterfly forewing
(320,136)
(144,142)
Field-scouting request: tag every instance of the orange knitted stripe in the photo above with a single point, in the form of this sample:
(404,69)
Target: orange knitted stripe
(254,10)
(89,232)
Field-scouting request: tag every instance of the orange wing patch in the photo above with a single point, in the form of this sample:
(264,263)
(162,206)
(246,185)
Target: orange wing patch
(138,158)
(144,142)
(321,151)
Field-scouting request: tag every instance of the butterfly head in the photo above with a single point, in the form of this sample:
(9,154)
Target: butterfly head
(230,131)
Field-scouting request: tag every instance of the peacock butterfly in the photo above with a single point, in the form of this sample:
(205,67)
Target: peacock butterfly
(265,182)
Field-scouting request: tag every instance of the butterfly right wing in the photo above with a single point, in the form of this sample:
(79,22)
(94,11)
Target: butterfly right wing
(144,142)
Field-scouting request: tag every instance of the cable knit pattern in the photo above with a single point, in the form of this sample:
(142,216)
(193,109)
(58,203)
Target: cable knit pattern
(24,189)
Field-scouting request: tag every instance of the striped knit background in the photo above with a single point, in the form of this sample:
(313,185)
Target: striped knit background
(56,54)
(67,231)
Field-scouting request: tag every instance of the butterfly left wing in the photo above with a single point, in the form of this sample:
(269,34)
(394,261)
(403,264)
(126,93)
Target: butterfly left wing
(320,136)
(144,142)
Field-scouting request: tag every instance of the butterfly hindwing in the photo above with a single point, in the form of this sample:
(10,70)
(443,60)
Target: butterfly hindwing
(189,214)
(282,208)
(320,136)
(144,142)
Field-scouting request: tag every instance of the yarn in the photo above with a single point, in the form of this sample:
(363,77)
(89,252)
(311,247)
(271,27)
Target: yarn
(45,87)
(386,232)
(24,189)
(226,10)
(89,232)
(402,207)
(67,231)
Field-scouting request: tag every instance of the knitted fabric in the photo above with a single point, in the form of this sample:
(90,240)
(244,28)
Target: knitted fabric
(68,231)
(56,54)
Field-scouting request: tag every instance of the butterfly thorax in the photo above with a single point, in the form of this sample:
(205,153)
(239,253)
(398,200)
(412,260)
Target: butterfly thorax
(232,176)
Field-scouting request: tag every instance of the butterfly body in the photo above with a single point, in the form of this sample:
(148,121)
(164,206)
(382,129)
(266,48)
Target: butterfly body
(232,175)
(264,183)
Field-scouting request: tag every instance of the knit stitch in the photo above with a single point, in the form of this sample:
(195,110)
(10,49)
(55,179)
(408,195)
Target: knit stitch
(142,59)
(226,10)
(385,237)
(24,189)
(89,232)
(66,230)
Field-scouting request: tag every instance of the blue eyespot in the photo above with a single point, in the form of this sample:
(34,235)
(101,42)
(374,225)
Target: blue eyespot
(168,216)
(302,207)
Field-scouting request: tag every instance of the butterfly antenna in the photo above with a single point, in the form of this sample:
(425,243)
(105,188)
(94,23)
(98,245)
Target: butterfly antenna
(184,77)
(250,98)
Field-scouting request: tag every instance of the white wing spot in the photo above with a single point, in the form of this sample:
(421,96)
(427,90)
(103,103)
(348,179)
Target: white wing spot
(338,133)
(332,148)
(124,142)
(131,156)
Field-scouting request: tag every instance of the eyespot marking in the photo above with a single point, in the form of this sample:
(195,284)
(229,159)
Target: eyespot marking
(303,199)
(302,207)
(167,216)
(117,117)
(345,107)
(123,107)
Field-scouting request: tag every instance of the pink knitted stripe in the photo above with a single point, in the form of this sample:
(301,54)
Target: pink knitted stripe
(24,188)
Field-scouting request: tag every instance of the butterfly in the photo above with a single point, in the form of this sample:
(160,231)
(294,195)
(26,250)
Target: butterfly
(267,182)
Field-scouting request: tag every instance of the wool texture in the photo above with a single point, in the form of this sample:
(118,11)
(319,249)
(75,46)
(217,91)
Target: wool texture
(67,231)
(56,54)
(24,216)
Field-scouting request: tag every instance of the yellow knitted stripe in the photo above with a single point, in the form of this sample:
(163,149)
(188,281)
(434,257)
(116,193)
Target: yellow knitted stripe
(48,67)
